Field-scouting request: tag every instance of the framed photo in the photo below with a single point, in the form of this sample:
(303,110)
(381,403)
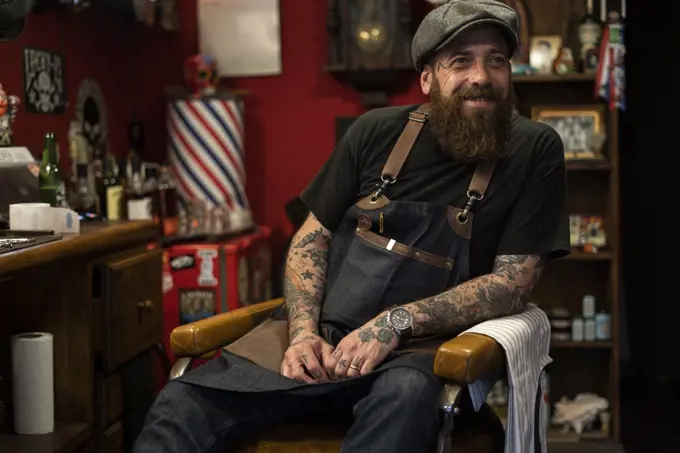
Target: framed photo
(544,49)
(581,128)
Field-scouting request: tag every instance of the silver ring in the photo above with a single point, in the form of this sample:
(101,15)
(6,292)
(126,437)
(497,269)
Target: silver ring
(354,367)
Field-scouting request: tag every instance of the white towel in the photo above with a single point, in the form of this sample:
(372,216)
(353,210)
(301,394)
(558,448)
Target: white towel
(526,340)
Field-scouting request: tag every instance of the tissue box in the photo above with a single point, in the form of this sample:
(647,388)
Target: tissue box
(40,216)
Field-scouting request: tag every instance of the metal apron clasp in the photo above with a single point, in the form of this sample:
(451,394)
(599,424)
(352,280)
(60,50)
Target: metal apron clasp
(462,217)
(386,181)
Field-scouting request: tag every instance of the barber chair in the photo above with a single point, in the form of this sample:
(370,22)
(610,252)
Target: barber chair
(459,362)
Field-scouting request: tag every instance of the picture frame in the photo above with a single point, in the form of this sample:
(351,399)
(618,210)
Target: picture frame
(581,127)
(543,50)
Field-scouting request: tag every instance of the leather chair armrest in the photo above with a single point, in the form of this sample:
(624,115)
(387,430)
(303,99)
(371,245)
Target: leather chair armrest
(468,357)
(198,338)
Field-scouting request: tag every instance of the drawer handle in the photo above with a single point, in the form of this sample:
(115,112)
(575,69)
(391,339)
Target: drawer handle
(145,305)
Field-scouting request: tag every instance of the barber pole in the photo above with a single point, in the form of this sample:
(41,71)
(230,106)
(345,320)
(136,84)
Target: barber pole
(205,140)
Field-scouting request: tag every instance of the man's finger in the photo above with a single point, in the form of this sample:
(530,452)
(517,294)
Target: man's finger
(368,366)
(298,373)
(332,361)
(341,368)
(354,368)
(285,368)
(311,362)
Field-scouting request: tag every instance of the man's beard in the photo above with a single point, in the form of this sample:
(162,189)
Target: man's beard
(477,135)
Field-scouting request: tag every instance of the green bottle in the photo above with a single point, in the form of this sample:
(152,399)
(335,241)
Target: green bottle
(52,188)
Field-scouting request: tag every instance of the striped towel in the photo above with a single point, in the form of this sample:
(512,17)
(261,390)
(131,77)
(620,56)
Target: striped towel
(526,340)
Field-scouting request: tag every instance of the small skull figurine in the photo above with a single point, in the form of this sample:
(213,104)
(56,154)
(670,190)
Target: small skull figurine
(9,105)
(200,73)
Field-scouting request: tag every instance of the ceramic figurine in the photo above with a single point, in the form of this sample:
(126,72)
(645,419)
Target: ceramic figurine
(9,105)
(564,63)
(200,73)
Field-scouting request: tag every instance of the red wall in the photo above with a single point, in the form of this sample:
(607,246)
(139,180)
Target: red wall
(290,119)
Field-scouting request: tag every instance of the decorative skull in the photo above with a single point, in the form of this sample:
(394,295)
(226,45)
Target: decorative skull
(200,73)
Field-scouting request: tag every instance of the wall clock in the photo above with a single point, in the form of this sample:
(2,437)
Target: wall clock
(370,44)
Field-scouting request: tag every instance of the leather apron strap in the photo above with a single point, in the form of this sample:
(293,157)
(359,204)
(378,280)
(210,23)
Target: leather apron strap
(404,145)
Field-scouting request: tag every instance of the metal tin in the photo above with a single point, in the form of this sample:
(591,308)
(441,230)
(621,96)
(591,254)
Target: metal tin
(589,334)
(603,330)
(588,306)
(577,329)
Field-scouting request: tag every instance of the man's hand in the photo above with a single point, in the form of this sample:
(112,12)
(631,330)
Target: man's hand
(362,350)
(308,353)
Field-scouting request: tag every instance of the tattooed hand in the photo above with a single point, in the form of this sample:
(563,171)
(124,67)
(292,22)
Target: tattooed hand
(364,349)
(306,358)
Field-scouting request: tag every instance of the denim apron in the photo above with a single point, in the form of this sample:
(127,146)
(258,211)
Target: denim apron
(384,253)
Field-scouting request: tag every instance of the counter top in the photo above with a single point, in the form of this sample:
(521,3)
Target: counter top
(93,238)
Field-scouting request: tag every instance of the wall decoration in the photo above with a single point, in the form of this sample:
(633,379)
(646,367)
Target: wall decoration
(369,45)
(8,111)
(581,128)
(91,116)
(44,88)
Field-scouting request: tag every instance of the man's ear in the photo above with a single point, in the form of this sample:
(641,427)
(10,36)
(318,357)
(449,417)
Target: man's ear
(426,80)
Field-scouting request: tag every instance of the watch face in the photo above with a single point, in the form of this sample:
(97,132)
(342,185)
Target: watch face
(400,318)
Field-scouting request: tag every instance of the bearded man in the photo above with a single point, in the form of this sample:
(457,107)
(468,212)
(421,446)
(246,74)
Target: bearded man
(425,221)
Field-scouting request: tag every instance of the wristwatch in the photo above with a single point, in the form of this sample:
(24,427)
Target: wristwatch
(400,321)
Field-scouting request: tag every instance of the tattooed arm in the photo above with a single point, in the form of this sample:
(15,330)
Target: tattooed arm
(503,292)
(305,277)
(304,283)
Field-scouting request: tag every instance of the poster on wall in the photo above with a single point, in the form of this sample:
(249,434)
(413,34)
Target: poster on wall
(243,36)
(44,89)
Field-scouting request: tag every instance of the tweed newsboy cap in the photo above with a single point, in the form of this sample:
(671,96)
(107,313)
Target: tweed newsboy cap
(444,23)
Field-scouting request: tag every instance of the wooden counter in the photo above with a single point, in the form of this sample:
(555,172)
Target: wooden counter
(95,238)
(99,293)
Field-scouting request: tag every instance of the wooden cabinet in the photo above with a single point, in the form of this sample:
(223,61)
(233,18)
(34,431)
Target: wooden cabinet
(132,308)
(593,190)
(100,294)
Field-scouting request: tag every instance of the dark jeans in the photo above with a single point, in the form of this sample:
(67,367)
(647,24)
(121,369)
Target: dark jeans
(395,412)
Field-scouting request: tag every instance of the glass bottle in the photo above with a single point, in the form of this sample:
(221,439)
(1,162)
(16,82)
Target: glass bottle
(138,203)
(110,191)
(589,34)
(50,181)
(83,201)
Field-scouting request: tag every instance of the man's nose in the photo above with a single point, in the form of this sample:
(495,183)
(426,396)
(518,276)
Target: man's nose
(479,74)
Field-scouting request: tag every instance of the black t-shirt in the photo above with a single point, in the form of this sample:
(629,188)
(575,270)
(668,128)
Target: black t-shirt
(524,210)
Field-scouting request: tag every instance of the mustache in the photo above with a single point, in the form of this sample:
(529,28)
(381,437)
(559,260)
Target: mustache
(478,94)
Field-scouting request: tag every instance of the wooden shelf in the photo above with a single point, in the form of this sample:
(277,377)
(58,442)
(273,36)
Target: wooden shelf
(577,77)
(588,442)
(577,255)
(556,436)
(66,438)
(588,165)
(582,344)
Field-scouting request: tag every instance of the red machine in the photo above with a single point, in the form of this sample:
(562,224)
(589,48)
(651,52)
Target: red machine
(203,279)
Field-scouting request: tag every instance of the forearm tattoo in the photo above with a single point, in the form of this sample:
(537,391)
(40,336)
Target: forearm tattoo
(503,292)
(305,279)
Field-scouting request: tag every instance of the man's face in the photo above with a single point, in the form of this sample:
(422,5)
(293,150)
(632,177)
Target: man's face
(470,90)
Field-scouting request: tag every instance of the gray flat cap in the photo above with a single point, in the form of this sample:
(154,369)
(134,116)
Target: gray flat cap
(447,21)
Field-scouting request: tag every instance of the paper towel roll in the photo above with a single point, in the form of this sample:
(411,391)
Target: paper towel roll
(30,216)
(33,383)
